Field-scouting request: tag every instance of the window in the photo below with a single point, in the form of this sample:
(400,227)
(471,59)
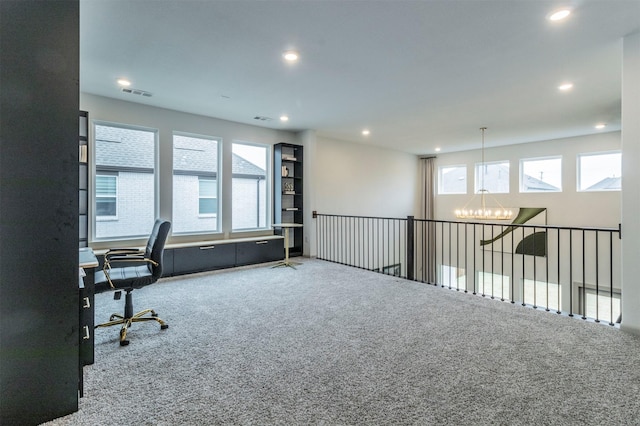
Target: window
(453,277)
(124,181)
(452,180)
(542,294)
(250,202)
(600,172)
(599,306)
(492,177)
(541,174)
(208,199)
(495,285)
(106,197)
(195,183)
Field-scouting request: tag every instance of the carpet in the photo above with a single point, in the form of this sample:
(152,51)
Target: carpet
(328,344)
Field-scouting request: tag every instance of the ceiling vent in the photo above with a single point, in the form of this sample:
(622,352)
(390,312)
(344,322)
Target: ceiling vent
(262,118)
(137,92)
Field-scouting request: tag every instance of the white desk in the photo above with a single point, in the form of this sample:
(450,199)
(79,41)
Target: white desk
(286,226)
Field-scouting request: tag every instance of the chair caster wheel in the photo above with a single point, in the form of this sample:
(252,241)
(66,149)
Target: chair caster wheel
(154,315)
(124,342)
(164,326)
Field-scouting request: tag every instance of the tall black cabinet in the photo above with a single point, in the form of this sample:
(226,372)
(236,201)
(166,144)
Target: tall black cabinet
(288,194)
(39,103)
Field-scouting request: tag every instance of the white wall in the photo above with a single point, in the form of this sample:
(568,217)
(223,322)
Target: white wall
(166,122)
(347,178)
(356,179)
(631,183)
(569,207)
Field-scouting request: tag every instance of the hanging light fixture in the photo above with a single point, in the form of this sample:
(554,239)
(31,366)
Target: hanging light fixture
(483,212)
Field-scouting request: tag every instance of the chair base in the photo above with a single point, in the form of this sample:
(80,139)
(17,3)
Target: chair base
(127,319)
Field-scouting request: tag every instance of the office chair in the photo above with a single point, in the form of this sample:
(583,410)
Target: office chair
(128,269)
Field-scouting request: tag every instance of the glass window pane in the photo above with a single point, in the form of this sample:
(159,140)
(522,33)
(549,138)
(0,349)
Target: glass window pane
(250,203)
(195,183)
(105,185)
(542,294)
(106,207)
(125,168)
(452,180)
(541,175)
(208,206)
(492,177)
(495,285)
(600,172)
(207,187)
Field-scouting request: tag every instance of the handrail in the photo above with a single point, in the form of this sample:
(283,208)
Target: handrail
(568,269)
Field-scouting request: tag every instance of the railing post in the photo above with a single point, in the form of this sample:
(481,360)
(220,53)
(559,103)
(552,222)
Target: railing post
(410,247)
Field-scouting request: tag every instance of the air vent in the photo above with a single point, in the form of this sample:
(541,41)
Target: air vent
(137,92)
(262,118)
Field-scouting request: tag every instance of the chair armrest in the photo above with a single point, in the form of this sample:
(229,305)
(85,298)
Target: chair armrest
(123,251)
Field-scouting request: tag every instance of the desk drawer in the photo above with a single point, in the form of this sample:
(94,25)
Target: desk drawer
(203,258)
(260,251)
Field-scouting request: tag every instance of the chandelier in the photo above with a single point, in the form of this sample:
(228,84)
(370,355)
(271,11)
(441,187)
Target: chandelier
(483,212)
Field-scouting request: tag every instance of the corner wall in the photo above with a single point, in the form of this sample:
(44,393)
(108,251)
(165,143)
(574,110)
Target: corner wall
(631,184)
(357,179)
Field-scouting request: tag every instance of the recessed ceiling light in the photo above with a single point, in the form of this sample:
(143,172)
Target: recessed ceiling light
(565,86)
(366,132)
(291,56)
(124,82)
(284,118)
(438,149)
(600,126)
(559,15)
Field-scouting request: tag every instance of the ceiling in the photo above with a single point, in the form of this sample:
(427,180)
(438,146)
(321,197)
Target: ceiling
(417,74)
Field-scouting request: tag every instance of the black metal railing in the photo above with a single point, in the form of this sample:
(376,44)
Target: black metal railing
(568,270)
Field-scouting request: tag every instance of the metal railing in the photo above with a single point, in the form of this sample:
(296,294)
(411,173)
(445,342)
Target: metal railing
(569,270)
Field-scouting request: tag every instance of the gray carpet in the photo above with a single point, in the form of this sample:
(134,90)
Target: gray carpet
(328,344)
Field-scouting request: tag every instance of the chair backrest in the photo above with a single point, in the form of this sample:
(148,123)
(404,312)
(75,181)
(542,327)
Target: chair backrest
(155,246)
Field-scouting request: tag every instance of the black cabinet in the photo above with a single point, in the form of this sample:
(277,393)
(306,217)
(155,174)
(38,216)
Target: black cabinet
(203,258)
(288,193)
(213,255)
(87,320)
(250,252)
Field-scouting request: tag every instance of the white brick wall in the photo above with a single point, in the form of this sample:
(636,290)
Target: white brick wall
(185,207)
(245,195)
(135,207)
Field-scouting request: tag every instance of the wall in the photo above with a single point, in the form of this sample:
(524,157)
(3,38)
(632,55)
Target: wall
(565,208)
(166,122)
(631,183)
(356,179)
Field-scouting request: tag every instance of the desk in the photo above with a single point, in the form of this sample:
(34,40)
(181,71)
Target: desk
(87,263)
(286,226)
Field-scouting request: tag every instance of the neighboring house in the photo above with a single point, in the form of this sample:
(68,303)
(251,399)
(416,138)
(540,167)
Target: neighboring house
(531,184)
(607,184)
(125,185)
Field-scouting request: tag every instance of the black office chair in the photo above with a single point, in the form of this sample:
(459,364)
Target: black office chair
(128,269)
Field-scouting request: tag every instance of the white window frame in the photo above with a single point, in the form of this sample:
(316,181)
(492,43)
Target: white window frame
(441,189)
(477,180)
(521,173)
(579,170)
(268,185)
(103,218)
(94,172)
(218,179)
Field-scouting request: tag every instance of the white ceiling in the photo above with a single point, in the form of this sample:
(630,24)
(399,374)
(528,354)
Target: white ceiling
(418,74)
